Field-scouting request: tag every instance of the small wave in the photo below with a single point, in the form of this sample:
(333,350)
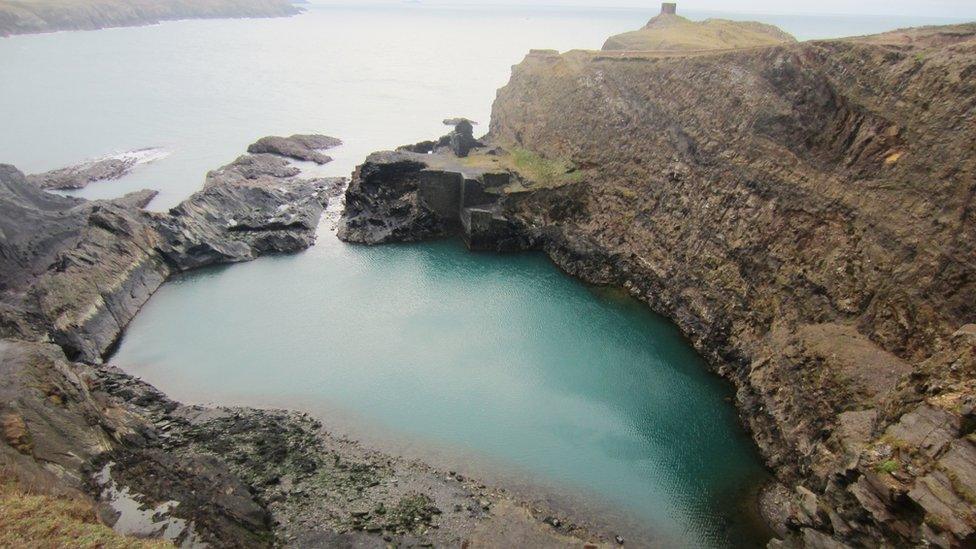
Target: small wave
(140,156)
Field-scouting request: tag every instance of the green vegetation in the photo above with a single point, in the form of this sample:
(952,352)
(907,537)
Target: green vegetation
(889,466)
(675,33)
(33,520)
(542,171)
(535,170)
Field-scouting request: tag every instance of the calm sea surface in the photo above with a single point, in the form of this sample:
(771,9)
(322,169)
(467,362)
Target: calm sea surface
(456,354)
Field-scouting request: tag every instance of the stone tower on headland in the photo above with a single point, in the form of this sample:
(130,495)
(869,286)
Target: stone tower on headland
(669,8)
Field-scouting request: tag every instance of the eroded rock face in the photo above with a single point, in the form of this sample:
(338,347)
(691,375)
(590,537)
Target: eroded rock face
(774,203)
(804,213)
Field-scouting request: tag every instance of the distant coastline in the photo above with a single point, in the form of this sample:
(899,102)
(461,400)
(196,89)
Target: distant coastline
(40,16)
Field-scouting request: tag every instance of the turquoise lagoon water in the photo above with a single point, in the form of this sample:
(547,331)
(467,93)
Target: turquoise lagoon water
(499,357)
(502,356)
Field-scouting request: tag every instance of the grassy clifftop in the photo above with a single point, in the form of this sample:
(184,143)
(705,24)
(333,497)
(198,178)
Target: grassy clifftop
(36,16)
(668,32)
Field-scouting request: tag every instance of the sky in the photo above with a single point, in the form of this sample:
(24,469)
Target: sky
(934,8)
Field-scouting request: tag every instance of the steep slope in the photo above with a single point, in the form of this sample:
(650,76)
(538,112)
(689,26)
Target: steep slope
(804,212)
(37,16)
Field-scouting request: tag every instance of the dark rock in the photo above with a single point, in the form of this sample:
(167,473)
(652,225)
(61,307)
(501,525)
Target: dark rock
(238,222)
(462,140)
(382,203)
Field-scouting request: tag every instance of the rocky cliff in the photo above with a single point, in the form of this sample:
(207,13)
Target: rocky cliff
(804,212)
(77,271)
(37,16)
(73,273)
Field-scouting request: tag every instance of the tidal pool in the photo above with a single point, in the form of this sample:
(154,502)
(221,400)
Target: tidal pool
(499,356)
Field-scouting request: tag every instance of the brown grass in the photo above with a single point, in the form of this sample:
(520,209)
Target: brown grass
(41,521)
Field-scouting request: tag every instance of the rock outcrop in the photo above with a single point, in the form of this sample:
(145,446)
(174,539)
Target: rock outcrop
(77,271)
(74,273)
(57,15)
(803,212)
(297,147)
(99,169)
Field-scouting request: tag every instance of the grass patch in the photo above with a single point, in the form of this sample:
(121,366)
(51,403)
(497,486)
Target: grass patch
(889,466)
(32,520)
(542,171)
(535,171)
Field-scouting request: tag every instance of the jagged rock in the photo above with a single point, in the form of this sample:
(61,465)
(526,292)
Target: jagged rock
(298,147)
(948,493)
(927,428)
(60,426)
(237,222)
(34,227)
(137,199)
(382,204)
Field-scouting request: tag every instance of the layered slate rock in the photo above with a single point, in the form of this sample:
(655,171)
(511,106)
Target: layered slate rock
(248,208)
(77,271)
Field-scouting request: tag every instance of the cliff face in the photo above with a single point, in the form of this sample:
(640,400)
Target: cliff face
(37,16)
(804,212)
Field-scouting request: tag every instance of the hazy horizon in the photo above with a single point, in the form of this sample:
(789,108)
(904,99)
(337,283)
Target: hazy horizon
(955,9)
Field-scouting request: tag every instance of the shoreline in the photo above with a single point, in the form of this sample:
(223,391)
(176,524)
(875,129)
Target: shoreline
(573,505)
(44,17)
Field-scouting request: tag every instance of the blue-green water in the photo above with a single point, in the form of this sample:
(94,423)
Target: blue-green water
(499,355)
